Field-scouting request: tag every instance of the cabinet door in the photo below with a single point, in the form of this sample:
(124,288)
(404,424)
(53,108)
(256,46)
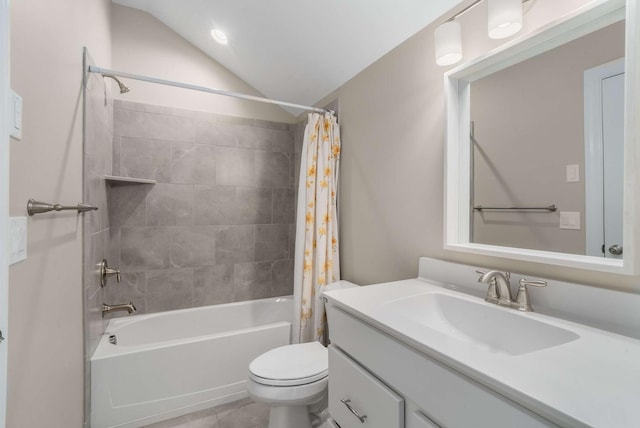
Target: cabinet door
(357,399)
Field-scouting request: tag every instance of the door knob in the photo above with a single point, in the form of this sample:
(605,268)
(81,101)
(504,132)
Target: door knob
(616,249)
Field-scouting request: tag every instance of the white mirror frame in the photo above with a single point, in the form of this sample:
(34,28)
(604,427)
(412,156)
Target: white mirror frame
(594,15)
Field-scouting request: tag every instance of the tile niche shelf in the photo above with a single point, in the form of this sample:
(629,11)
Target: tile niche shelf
(117,180)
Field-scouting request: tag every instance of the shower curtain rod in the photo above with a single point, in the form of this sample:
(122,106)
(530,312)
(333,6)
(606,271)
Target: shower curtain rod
(114,73)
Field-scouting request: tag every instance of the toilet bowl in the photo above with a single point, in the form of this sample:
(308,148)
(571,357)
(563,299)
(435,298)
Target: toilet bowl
(290,379)
(293,379)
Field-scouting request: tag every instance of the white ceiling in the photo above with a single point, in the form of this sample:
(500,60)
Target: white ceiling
(296,50)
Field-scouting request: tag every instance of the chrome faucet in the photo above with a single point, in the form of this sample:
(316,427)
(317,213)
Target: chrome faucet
(107,309)
(499,291)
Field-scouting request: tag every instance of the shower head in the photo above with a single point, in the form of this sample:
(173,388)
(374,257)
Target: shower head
(123,88)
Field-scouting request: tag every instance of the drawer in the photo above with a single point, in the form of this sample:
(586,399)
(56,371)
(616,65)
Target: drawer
(419,420)
(354,390)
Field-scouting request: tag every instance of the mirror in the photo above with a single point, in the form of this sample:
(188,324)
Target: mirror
(540,153)
(532,186)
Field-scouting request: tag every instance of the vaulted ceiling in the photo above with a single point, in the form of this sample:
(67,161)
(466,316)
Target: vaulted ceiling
(295,50)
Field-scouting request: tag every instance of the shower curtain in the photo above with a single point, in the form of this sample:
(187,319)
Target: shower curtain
(316,253)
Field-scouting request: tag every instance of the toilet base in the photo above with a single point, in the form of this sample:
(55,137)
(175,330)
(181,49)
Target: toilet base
(289,417)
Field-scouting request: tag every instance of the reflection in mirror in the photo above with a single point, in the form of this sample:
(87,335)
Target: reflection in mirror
(549,131)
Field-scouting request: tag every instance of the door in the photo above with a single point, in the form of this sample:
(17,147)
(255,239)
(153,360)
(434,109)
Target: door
(604,159)
(613,161)
(4,202)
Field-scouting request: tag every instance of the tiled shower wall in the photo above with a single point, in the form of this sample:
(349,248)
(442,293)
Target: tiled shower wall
(98,137)
(218,226)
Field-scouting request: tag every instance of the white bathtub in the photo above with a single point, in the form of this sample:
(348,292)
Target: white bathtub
(172,363)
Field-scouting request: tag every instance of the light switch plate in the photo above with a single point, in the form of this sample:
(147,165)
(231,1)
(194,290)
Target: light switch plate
(15,120)
(573,173)
(17,239)
(570,220)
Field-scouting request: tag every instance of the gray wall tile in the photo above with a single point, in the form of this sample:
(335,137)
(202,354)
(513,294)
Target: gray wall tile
(272,169)
(169,289)
(235,244)
(214,205)
(213,285)
(145,248)
(193,164)
(142,158)
(252,280)
(127,205)
(235,167)
(129,124)
(215,133)
(193,246)
(281,141)
(282,278)
(170,128)
(272,242)
(253,205)
(252,137)
(170,205)
(284,208)
(116,156)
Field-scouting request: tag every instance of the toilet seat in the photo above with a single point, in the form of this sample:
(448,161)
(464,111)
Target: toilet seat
(291,365)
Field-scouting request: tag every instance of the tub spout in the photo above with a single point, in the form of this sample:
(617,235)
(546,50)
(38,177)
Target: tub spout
(107,309)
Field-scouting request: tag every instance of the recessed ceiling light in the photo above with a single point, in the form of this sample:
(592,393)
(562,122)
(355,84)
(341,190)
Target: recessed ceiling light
(219,36)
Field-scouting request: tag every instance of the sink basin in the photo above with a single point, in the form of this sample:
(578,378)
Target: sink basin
(492,328)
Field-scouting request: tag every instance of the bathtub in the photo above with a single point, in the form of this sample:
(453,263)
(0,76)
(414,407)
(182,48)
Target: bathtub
(172,363)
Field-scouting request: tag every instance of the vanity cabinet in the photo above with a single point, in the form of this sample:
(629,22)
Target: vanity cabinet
(381,375)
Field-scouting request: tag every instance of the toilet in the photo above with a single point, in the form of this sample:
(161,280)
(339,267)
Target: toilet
(292,379)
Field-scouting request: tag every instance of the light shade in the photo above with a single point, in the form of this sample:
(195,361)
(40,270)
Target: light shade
(448,40)
(505,18)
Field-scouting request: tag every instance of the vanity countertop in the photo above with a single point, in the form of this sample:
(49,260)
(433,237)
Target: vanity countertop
(593,380)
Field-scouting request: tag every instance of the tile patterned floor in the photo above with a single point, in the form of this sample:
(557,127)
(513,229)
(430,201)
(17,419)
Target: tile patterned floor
(239,414)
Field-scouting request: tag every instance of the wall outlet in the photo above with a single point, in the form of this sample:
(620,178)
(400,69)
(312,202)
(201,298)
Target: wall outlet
(570,220)
(573,173)
(17,239)
(15,120)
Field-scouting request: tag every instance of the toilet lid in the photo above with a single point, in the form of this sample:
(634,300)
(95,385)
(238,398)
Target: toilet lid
(288,365)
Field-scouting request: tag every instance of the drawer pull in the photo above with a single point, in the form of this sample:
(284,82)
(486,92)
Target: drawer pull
(353,411)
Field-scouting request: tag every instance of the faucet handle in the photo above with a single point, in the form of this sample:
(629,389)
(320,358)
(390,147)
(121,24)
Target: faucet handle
(522,298)
(537,283)
(106,271)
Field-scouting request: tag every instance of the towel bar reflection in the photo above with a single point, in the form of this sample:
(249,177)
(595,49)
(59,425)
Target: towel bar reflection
(550,208)
(36,207)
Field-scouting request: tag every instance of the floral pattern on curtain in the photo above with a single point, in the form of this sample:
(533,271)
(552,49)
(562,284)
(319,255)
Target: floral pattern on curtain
(320,261)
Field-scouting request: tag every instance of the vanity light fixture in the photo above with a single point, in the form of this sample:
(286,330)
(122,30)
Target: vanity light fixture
(448,39)
(504,20)
(219,36)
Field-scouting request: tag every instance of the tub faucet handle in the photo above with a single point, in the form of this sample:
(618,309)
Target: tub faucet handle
(106,272)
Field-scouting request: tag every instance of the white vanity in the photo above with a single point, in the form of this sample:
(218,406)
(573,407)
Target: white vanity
(426,353)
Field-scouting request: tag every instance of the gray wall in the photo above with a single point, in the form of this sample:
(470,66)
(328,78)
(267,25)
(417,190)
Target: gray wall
(218,226)
(98,142)
(529,124)
(391,167)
